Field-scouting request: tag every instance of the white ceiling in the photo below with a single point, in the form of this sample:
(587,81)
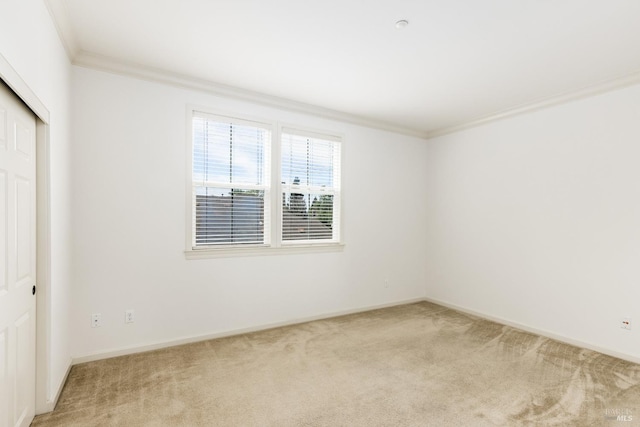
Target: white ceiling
(458,62)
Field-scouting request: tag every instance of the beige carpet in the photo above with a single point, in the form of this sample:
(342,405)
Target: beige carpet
(413,365)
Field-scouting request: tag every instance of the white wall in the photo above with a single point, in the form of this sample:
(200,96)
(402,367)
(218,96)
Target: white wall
(536,219)
(129,225)
(29,42)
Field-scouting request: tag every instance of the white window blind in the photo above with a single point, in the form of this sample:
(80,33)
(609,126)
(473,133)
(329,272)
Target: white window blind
(310,178)
(231,181)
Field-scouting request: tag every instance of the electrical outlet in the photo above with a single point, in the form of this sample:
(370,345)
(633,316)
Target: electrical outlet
(129,316)
(626,323)
(96,320)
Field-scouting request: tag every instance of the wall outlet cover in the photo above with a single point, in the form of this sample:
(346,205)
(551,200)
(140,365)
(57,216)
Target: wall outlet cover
(96,320)
(625,323)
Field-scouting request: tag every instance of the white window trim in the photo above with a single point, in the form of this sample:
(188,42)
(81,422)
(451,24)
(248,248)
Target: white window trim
(234,251)
(276,245)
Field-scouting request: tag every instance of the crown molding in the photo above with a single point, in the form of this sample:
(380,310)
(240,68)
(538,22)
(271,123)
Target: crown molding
(586,92)
(103,63)
(60,17)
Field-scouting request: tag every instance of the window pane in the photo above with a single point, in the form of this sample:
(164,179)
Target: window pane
(307,216)
(229,216)
(229,153)
(307,161)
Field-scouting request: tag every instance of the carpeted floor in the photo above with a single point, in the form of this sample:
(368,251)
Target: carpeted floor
(412,365)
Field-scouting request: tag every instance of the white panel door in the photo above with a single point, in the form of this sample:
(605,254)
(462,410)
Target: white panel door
(17,261)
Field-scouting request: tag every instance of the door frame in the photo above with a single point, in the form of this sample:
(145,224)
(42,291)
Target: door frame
(44,401)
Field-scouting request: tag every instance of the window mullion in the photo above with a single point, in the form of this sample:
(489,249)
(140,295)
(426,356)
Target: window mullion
(304,189)
(276,186)
(235,186)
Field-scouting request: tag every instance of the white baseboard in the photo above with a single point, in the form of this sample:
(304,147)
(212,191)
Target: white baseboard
(50,404)
(536,331)
(63,381)
(195,338)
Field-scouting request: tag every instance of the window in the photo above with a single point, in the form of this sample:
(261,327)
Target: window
(310,179)
(230,175)
(254,185)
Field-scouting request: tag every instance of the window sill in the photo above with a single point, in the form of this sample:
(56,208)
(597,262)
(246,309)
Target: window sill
(229,252)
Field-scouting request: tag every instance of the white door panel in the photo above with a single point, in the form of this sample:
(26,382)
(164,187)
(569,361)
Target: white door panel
(23,229)
(4,382)
(24,393)
(4,239)
(3,127)
(17,261)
